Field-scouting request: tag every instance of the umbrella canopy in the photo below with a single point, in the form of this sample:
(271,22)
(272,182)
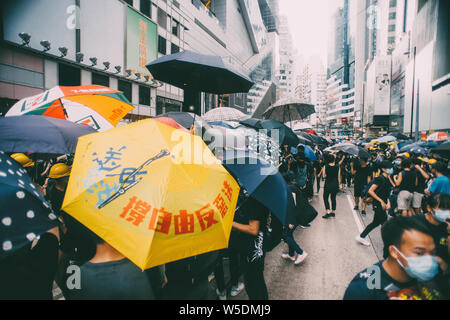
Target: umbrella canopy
(398,135)
(191,70)
(186,119)
(226,124)
(154,200)
(309,152)
(443,149)
(99,107)
(275,129)
(224,114)
(25,213)
(418,150)
(438,136)
(262,181)
(311,131)
(38,134)
(289,110)
(351,149)
(385,139)
(172,123)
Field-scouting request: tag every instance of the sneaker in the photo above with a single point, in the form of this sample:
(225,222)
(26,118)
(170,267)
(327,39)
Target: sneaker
(287,257)
(301,258)
(222,295)
(236,290)
(306,226)
(362,241)
(363,212)
(356,208)
(326,216)
(332,215)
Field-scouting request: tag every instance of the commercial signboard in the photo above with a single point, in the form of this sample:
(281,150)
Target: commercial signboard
(382,85)
(53,21)
(141,42)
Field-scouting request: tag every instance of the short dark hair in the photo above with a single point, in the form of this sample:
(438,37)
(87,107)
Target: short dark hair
(440,200)
(440,167)
(301,147)
(392,231)
(406,163)
(330,158)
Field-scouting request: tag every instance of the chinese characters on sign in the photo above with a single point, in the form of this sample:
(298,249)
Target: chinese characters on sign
(160,220)
(142,43)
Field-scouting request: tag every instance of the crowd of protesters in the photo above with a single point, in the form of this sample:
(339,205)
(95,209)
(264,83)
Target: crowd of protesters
(409,194)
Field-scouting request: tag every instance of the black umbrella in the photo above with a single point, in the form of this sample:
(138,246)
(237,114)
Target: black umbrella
(443,150)
(289,110)
(191,70)
(398,135)
(351,149)
(24,214)
(262,181)
(285,134)
(305,138)
(40,134)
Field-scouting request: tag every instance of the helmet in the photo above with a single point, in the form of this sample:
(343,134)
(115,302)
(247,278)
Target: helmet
(23,160)
(432,161)
(59,170)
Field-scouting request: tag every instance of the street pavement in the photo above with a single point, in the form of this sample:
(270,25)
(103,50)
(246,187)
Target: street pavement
(334,256)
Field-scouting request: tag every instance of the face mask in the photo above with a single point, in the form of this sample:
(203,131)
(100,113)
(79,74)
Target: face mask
(422,268)
(397,163)
(390,171)
(442,215)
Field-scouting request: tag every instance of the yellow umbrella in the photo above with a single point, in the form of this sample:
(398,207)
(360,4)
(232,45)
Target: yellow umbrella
(155,193)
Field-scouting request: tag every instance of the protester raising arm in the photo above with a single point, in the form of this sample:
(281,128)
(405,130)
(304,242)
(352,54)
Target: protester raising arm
(251,228)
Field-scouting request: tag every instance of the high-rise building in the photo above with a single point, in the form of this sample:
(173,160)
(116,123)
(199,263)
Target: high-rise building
(341,70)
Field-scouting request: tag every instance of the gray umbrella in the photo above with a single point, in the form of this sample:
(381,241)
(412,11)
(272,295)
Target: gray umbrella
(287,110)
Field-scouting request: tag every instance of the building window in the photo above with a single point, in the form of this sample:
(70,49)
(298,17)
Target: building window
(175,27)
(126,88)
(393,4)
(392,27)
(144,95)
(100,79)
(130,2)
(392,16)
(68,75)
(162,45)
(146,7)
(162,18)
(174,48)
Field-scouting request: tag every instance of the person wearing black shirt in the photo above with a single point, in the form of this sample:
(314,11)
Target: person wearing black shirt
(331,172)
(362,173)
(409,269)
(379,191)
(407,182)
(248,229)
(419,192)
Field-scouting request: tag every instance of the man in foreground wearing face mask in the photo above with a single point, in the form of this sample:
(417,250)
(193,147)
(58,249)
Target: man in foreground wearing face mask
(409,269)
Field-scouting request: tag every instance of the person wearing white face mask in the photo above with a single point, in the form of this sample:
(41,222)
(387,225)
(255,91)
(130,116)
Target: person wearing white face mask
(437,219)
(410,267)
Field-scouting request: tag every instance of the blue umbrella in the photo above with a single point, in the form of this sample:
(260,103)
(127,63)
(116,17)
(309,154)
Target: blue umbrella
(25,214)
(40,134)
(262,181)
(309,153)
(418,150)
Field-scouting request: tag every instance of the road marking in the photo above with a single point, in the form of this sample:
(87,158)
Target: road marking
(355,214)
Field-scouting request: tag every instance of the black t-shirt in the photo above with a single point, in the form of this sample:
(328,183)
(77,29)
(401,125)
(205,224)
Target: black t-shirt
(248,244)
(363,287)
(408,181)
(421,182)
(383,188)
(362,173)
(332,177)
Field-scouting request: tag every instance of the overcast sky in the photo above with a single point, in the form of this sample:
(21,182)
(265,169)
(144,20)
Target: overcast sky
(308,20)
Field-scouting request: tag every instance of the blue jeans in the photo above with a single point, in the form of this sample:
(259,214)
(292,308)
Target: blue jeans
(292,244)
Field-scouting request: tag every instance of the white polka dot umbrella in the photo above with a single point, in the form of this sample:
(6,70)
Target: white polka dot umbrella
(24,214)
